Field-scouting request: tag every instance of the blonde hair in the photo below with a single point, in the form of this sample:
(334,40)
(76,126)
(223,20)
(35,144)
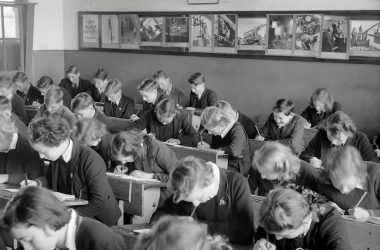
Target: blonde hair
(213,116)
(289,165)
(344,161)
(324,97)
(113,87)
(147,85)
(340,122)
(88,130)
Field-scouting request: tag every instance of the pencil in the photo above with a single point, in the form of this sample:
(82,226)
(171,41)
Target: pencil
(25,180)
(192,212)
(267,242)
(361,199)
(201,136)
(258,131)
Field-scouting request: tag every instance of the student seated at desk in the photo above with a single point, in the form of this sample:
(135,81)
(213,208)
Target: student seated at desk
(142,156)
(168,89)
(284,126)
(6,110)
(173,233)
(200,96)
(230,136)
(214,196)
(244,120)
(94,134)
(74,84)
(74,169)
(321,106)
(17,158)
(44,83)
(38,220)
(53,106)
(83,106)
(352,184)
(168,124)
(100,83)
(117,104)
(276,165)
(30,94)
(151,95)
(288,222)
(7,89)
(339,129)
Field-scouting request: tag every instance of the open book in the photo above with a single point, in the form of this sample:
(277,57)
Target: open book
(370,219)
(63,197)
(128,177)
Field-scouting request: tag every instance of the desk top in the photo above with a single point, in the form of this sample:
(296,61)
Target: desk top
(148,183)
(5,198)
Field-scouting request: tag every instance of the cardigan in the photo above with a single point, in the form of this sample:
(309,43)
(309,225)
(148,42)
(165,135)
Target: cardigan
(63,112)
(327,231)
(87,180)
(290,135)
(228,213)
(311,115)
(94,235)
(208,98)
(33,95)
(18,108)
(83,86)
(320,147)
(347,201)
(236,145)
(248,125)
(306,178)
(178,96)
(180,128)
(23,159)
(124,109)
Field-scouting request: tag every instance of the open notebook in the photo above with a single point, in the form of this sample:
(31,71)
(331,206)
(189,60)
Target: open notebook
(128,177)
(370,219)
(10,192)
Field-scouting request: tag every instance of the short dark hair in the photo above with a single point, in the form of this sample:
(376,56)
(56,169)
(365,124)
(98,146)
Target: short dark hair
(44,82)
(51,131)
(101,74)
(35,206)
(166,107)
(284,105)
(197,78)
(72,69)
(20,77)
(160,74)
(340,122)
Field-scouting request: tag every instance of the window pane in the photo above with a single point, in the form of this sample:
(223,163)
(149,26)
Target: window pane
(11,24)
(1,24)
(12,50)
(1,55)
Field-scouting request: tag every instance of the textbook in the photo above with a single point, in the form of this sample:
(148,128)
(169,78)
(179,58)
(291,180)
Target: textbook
(64,197)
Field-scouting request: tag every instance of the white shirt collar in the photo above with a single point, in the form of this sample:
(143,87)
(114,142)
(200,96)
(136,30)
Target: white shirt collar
(14,141)
(67,155)
(200,94)
(360,186)
(118,101)
(71,231)
(227,129)
(215,170)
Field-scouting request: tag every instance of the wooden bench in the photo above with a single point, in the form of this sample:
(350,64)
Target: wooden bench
(216,156)
(362,235)
(138,198)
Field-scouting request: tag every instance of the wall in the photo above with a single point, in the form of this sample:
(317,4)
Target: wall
(251,85)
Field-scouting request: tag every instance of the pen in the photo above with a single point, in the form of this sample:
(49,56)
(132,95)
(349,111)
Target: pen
(137,112)
(201,136)
(258,132)
(192,212)
(267,242)
(361,199)
(25,180)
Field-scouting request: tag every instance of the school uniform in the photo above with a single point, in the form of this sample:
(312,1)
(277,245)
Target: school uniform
(123,109)
(33,95)
(320,147)
(229,213)
(98,96)
(248,125)
(20,160)
(311,115)
(81,171)
(103,149)
(18,108)
(87,234)
(180,128)
(371,201)
(22,129)
(73,89)
(327,231)
(178,96)
(306,178)
(63,112)
(290,135)
(101,117)
(235,143)
(66,98)
(148,106)
(207,99)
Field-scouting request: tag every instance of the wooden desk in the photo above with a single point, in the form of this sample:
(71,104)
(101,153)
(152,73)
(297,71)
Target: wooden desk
(136,197)
(131,238)
(362,235)
(216,156)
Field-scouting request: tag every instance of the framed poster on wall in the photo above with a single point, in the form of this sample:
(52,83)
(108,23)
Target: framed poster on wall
(225,28)
(89,32)
(151,31)
(251,33)
(365,38)
(129,31)
(201,30)
(307,34)
(110,31)
(177,31)
(279,35)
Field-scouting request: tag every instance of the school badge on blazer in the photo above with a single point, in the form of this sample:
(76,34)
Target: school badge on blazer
(222,202)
